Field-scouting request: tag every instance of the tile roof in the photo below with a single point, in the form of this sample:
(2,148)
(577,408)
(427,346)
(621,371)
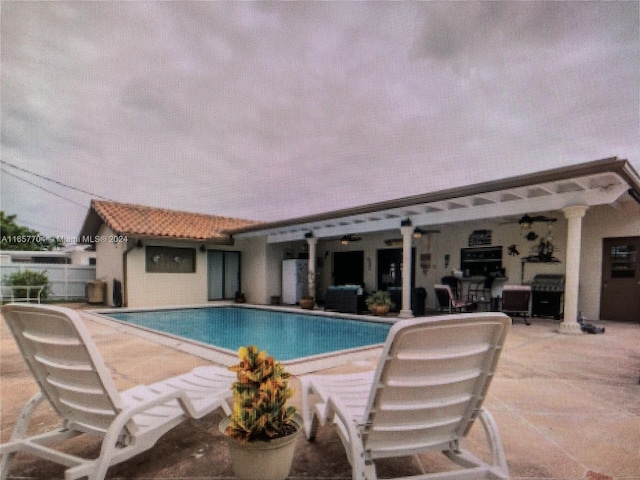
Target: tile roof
(143,221)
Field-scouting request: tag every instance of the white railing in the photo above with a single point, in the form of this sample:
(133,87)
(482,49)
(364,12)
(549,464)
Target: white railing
(14,293)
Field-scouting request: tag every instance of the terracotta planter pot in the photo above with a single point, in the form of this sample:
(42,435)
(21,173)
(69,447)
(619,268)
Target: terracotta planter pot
(307,303)
(260,460)
(380,310)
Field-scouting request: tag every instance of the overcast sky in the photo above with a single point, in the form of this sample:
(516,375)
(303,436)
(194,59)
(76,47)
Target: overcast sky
(265,110)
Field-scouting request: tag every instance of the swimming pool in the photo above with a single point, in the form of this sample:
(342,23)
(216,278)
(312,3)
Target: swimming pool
(288,335)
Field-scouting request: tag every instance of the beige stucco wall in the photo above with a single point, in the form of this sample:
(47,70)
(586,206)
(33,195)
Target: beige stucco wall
(163,289)
(256,278)
(109,264)
(621,220)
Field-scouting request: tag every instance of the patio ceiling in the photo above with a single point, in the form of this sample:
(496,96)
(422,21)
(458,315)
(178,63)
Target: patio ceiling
(596,183)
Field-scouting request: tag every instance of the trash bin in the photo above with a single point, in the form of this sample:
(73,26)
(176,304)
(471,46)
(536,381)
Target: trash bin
(96,291)
(418,300)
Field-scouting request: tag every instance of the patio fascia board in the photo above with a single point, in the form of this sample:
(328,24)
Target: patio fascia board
(387,215)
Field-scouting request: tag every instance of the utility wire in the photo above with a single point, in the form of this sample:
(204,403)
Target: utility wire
(38,186)
(49,180)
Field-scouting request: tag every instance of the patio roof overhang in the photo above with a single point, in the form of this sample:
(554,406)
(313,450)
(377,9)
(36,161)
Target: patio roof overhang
(599,182)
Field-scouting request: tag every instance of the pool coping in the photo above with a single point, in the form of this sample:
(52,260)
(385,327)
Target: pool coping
(226,357)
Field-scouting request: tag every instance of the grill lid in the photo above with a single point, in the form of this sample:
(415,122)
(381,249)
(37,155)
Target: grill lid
(548,283)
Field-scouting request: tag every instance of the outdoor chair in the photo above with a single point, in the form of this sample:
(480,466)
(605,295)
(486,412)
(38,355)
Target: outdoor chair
(447,302)
(454,284)
(73,377)
(516,300)
(425,395)
(480,292)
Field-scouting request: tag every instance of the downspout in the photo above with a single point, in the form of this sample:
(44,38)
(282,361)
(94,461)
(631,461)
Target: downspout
(125,296)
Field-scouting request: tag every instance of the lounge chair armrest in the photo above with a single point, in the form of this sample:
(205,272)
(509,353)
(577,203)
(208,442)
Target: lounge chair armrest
(124,416)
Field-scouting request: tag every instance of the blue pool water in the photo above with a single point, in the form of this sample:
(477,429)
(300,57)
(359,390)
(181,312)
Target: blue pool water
(285,335)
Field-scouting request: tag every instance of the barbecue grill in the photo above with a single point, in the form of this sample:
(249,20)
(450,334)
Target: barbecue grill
(547,298)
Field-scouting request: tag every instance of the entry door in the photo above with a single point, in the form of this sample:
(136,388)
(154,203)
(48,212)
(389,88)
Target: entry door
(620,298)
(348,268)
(390,268)
(223,273)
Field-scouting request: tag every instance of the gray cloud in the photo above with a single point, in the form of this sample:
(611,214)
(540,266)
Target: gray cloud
(270,110)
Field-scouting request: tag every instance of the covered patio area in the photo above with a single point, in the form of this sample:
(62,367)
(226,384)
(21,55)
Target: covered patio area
(568,407)
(573,210)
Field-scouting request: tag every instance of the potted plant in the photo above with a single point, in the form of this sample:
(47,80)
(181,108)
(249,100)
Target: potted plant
(307,302)
(379,303)
(262,430)
(240,298)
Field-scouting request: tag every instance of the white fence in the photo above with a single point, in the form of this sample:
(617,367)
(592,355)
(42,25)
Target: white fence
(66,281)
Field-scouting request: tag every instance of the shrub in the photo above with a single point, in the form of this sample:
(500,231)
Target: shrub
(29,278)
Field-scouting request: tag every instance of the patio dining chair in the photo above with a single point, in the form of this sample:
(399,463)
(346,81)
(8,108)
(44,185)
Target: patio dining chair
(425,395)
(447,301)
(516,300)
(72,376)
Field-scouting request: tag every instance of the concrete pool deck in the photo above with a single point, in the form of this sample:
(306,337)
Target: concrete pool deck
(567,406)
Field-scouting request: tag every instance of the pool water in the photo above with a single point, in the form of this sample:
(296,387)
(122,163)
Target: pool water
(285,335)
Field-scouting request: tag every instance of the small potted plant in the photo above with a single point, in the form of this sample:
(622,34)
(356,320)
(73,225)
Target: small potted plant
(240,298)
(379,303)
(307,302)
(262,430)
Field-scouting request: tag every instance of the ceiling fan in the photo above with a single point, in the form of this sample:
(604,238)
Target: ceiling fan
(526,220)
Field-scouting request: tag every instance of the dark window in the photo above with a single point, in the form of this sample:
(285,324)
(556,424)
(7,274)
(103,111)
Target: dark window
(170,260)
(623,261)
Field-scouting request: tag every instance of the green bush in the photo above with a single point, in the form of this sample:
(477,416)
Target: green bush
(29,278)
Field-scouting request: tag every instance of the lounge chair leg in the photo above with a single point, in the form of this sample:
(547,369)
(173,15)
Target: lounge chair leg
(498,459)
(309,417)
(20,429)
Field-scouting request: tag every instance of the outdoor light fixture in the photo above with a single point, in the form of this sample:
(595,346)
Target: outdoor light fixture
(525,222)
(139,244)
(346,239)
(417,233)
(308,235)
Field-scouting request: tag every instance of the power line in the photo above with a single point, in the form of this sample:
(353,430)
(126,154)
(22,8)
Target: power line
(41,188)
(49,180)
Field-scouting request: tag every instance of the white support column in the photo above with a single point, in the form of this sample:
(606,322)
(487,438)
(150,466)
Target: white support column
(311,266)
(407,244)
(572,279)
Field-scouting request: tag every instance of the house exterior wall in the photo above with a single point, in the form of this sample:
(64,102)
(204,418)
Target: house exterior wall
(254,277)
(620,220)
(164,289)
(109,264)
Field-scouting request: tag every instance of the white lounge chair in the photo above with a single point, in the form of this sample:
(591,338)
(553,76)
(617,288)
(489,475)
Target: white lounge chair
(425,395)
(72,376)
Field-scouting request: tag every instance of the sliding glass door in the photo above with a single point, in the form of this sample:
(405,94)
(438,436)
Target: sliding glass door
(223,273)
